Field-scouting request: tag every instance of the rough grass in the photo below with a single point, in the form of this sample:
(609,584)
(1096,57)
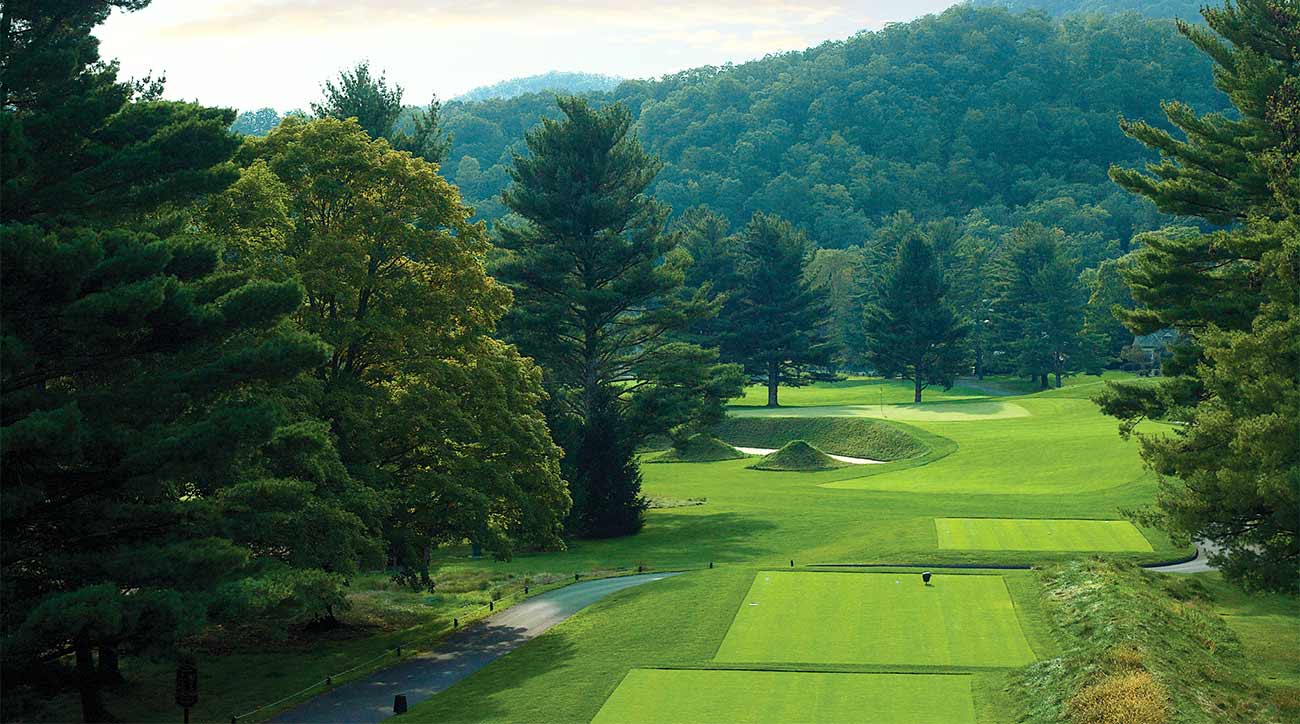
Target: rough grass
(798,456)
(1139,648)
(850,436)
(700,448)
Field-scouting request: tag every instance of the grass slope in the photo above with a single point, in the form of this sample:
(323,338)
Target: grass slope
(1008,534)
(798,456)
(854,437)
(1065,449)
(1140,648)
(1268,626)
(700,448)
(876,618)
(657,696)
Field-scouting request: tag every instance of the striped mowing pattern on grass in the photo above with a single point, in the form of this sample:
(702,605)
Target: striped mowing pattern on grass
(1015,534)
(655,696)
(876,618)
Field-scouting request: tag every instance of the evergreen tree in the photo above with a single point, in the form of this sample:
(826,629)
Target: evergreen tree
(715,254)
(599,299)
(1231,473)
(841,274)
(778,329)
(125,358)
(913,330)
(1040,306)
(972,283)
(377,106)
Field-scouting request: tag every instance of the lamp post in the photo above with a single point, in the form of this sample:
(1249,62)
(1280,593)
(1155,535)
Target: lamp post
(187,688)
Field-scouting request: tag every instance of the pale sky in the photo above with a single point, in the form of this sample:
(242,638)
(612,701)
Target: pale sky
(248,54)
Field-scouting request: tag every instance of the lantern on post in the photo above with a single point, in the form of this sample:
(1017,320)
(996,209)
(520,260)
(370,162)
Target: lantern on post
(187,688)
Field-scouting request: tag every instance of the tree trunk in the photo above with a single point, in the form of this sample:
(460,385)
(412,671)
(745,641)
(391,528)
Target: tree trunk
(110,671)
(92,698)
(979,364)
(916,399)
(1042,381)
(773,377)
(1056,365)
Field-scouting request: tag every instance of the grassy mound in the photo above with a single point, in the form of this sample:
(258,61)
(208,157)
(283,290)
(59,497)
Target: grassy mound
(1140,648)
(852,436)
(699,449)
(798,456)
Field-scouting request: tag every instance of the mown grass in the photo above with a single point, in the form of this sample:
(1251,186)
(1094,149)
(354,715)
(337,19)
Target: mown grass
(876,618)
(1063,461)
(676,696)
(1011,534)
(854,437)
(1268,626)
(568,674)
(1139,648)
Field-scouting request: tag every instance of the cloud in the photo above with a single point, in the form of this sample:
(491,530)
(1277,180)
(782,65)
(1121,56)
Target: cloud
(328,17)
(250,53)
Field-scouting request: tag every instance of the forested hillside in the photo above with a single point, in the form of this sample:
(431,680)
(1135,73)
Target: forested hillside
(1014,114)
(1184,9)
(554,81)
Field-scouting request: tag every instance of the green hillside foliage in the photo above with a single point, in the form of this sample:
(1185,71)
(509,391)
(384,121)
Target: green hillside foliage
(972,109)
(798,455)
(553,82)
(1182,9)
(1140,648)
(854,437)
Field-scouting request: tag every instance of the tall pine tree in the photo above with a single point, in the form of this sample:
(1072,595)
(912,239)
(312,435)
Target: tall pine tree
(601,304)
(912,330)
(1231,474)
(778,328)
(1040,306)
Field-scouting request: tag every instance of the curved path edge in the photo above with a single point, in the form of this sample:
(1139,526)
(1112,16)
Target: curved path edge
(462,653)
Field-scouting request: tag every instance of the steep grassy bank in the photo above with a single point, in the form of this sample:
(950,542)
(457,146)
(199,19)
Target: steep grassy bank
(854,437)
(1139,648)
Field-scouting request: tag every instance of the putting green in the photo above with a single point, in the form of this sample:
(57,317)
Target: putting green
(1009,534)
(955,411)
(876,618)
(657,696)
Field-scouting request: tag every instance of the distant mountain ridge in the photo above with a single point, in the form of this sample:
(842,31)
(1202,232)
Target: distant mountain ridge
(555,81)
(1182,9)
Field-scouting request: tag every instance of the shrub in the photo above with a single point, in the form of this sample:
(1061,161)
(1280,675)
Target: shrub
(1130,697)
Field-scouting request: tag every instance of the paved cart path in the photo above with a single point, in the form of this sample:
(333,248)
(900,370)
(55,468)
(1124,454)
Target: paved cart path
(1199,564)
(461,654)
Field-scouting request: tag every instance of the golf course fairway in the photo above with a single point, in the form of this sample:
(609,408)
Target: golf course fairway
(656,696)
(1006,534)
(876,618)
